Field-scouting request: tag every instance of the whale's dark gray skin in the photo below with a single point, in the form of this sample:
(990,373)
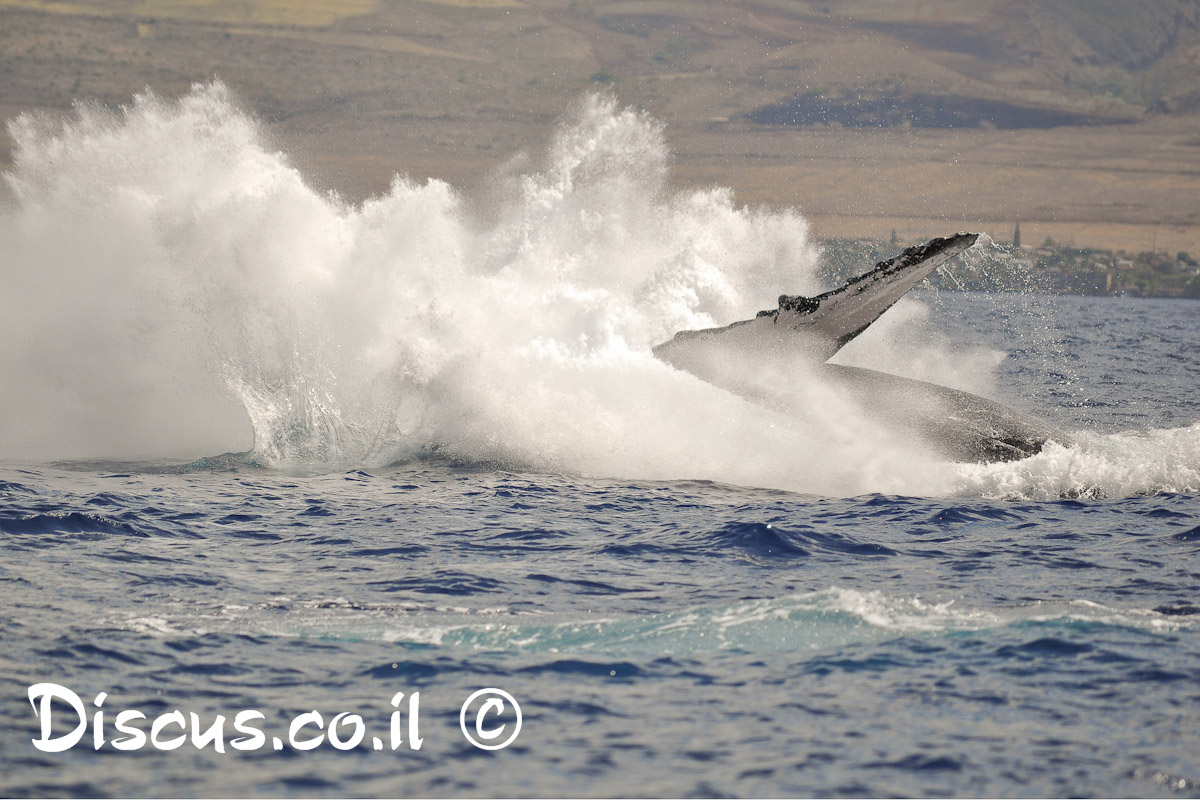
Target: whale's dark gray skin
(804,332)
(957,425)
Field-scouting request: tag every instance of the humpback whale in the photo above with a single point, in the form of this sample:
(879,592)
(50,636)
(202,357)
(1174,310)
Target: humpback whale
(805,332)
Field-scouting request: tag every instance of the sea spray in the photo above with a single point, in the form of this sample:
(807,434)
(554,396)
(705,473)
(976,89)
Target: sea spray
(166,264)
(172,287)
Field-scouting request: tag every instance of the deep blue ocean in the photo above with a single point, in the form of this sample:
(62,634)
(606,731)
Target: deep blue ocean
(451,464)
(661,637)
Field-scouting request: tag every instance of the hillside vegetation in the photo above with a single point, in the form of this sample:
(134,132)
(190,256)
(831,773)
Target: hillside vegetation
(1078,117)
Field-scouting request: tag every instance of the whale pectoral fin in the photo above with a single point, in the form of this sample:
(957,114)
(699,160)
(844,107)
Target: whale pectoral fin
(843,313)
(815,328)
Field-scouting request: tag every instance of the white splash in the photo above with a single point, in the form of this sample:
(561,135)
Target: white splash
(171,287)
(1101,466)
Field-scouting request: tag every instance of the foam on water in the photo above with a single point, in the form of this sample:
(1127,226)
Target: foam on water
(171,287)
(1101,466)
(820,620)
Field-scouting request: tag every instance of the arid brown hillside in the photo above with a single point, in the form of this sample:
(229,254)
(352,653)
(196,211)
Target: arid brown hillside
(1078,117)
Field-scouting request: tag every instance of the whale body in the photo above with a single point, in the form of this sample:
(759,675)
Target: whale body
(804,332)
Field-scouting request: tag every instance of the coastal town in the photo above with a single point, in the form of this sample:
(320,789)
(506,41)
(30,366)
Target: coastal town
(1049,267)
(1071,270)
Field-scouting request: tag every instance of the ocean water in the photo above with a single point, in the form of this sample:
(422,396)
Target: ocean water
(453,465)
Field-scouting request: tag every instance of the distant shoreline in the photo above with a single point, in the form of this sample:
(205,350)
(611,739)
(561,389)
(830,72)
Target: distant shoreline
(1051,268)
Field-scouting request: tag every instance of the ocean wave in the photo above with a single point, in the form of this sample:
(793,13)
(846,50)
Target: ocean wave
(809,622)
